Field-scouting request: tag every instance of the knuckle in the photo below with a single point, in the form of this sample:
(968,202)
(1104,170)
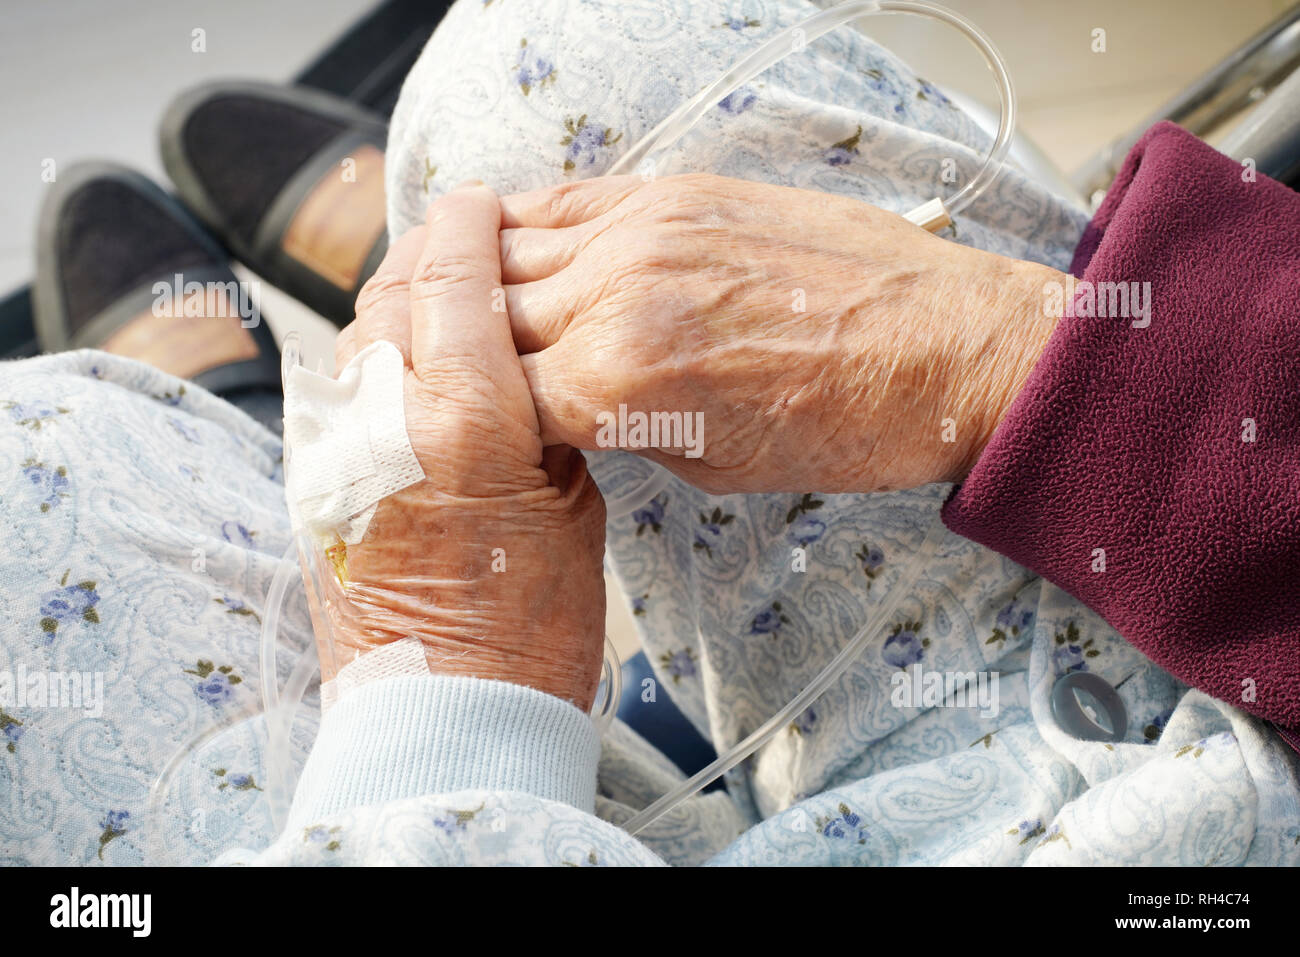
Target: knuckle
(563,200)
(446,271)
(693,198)
(618,383)
(381,291)
(633,261)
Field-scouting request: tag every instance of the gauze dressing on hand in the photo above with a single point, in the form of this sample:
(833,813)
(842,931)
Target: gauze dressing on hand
(350,448)
(345,450)
(350,451)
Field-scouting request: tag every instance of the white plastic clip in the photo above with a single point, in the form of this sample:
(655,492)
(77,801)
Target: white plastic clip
(932,216)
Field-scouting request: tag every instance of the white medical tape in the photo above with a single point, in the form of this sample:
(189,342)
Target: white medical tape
(348,443)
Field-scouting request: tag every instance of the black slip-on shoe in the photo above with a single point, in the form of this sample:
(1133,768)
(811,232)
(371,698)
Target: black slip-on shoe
(292,181)
(122,266)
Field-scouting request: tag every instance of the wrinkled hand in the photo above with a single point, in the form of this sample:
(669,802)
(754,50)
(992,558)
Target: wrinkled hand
(829,345)
(493,562)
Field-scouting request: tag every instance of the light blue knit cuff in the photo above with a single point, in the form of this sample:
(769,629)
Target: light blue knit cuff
(410,736)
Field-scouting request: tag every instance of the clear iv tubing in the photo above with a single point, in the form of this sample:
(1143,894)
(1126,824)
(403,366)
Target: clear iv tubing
(791,40)
(279,718)
(828,676)
(665,136)
(280,711)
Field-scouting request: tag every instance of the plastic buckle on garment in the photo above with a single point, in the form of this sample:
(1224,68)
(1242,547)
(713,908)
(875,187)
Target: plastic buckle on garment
(1086,706)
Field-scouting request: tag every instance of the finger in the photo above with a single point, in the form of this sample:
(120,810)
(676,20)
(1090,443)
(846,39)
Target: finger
(570,404)
(568,204)
(457,312)
(384,303)
(529,254)
(539,312)
(565,402)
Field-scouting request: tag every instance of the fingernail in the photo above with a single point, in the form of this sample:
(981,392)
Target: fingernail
(469,184)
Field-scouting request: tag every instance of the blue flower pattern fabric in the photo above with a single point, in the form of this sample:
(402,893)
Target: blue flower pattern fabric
(132,573)
(145,533)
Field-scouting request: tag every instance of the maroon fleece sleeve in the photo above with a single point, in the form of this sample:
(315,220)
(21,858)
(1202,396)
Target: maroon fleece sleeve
(1174,448)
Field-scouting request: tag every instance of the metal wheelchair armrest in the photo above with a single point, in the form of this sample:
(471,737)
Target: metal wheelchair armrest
(1270,135)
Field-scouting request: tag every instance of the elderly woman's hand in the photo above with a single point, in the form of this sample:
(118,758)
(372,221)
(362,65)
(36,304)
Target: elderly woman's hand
(494,561)
(828,344)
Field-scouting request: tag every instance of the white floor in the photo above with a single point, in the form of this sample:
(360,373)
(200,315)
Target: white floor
(85,78)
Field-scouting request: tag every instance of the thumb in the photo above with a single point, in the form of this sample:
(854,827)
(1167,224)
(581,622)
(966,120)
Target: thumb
(563,393)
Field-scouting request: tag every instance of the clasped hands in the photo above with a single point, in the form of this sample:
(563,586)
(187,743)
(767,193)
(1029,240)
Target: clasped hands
(826,344)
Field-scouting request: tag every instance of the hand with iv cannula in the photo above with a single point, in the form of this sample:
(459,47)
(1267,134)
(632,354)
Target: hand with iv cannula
(494,561)
(828,346)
